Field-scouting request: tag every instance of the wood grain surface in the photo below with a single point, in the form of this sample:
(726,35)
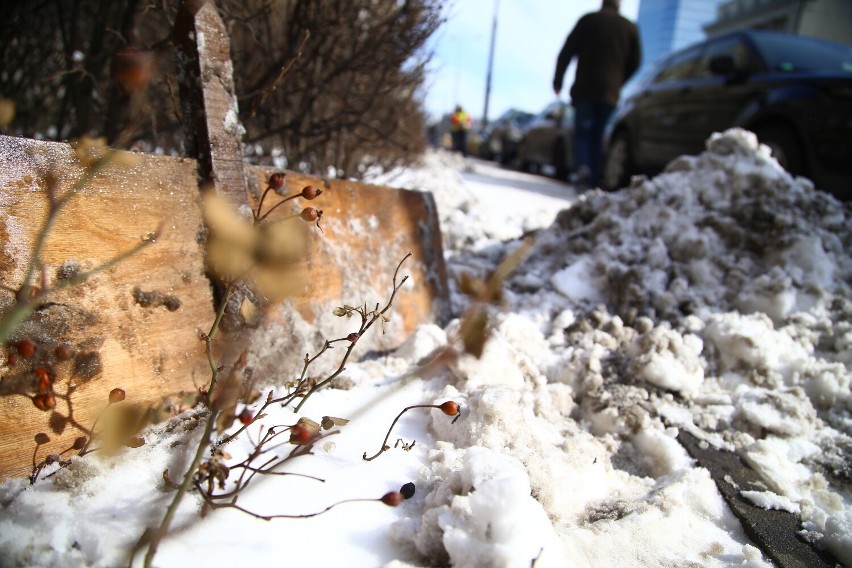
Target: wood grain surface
(136,326)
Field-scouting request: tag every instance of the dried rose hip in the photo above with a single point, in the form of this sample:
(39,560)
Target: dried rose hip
(311,192)
(450,408)
(63,353)
(309,214)
(246,416)
(116,395)
(26,347)
(300,435)
(45,401)
(276,180)
(392,498)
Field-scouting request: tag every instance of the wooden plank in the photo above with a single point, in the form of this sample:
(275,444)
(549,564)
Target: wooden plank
(152,352)
(147,351)
(212,130)
(366,232)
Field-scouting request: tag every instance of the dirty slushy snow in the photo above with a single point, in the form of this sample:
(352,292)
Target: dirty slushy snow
(713,298)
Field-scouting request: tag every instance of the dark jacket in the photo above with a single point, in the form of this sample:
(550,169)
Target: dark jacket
(606,45)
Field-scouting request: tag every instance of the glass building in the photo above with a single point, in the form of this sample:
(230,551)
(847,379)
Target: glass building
(668,25)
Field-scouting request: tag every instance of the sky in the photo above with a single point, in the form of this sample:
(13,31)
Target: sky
(568,447)
(530,34)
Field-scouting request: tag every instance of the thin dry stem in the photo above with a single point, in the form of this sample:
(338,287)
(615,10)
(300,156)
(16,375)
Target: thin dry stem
(385,446)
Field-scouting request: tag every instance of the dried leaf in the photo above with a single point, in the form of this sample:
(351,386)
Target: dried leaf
(309,425)
(329,422)
(225,222)
(248,310)
(472,286)
(251,395)
(135,442)
(494,292)
(475,332)
(120,423)
(224,421)
(89,150)
(227,391)
(276,282)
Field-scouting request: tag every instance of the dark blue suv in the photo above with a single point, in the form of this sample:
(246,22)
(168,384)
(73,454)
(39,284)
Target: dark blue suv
(794,92)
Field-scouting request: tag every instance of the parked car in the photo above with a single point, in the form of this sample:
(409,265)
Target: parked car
(794,92)
(501,137)
(546,140)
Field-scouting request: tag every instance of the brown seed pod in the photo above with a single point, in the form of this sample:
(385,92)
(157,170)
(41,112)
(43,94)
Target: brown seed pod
(63,353)
(276,180)
(26,348)
(42,438)
(45,401)
(79,443)
(353,337)
(246,416)
(450,408)
(45,382)
(116,395)
(392,498)
(300,435)
(311,192)
(310,214)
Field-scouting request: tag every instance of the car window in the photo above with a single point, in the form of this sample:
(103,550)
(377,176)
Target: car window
(680,66)
(745,60)
(522,118)
(788,53)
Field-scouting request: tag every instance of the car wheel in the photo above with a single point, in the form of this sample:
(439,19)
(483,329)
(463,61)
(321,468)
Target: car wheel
(785,147)
(618,166)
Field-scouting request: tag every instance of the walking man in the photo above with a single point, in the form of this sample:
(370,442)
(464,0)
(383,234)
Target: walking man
(606,45)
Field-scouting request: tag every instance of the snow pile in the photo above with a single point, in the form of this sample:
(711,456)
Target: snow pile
(713,298)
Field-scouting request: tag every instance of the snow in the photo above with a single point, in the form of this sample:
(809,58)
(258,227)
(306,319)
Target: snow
(713,298)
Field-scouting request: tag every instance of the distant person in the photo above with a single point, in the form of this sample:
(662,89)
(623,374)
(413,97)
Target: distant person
(606,45)
(432,135)
(459,125)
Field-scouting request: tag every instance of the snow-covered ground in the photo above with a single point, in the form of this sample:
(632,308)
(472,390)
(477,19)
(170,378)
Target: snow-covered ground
(712,299)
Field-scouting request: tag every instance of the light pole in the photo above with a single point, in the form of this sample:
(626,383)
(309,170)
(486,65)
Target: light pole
(490,64)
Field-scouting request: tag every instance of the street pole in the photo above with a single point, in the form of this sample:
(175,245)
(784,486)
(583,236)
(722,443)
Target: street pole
(490,64)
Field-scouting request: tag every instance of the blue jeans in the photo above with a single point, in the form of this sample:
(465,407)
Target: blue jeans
(589,122)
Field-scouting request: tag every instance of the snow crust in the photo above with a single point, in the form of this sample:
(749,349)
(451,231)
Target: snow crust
(713,298)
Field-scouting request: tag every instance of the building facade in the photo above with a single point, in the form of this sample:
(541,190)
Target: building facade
(668,25)
(827,19)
